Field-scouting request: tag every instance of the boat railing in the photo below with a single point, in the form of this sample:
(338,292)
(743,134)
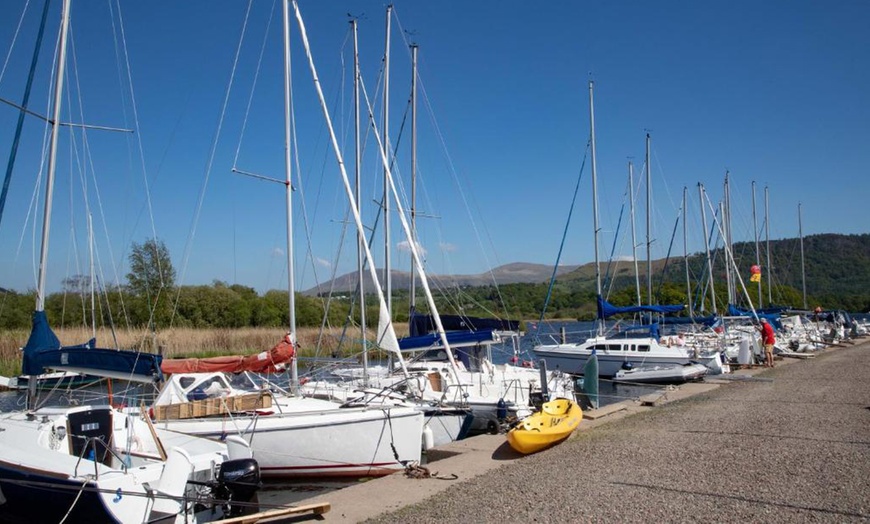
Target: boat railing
(91,445)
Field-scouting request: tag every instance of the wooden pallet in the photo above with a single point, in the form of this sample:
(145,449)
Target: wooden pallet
(278,515)
(213,406)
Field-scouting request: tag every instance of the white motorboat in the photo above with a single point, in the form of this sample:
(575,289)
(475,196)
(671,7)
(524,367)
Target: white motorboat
(613,353)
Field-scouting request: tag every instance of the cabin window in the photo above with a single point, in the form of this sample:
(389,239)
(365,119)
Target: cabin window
(186,382)
(643,347)
(600,347)
(614,347)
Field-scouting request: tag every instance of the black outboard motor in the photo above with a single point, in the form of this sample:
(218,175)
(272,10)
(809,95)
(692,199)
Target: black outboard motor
(238,482)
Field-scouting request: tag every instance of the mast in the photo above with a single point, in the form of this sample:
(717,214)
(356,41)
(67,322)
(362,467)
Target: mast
(388,280)
(49,180)
(633,234)
(288,190)
(649,299)
(388,333)
(686,251)
(725,212)
(803,266)
(595,199)
(13,153)
(52,158)
(767,241)
(757,250)
(413,291)
(357,172)
(707,248)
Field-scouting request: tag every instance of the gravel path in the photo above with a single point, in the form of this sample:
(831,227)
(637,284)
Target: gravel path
(791,445)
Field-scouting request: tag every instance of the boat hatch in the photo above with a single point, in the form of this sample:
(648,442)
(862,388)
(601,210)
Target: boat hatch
(90,433)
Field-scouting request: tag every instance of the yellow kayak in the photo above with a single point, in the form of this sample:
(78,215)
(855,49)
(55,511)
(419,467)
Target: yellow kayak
(554,423)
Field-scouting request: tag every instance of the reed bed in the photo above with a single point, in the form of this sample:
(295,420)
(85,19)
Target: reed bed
(189,342)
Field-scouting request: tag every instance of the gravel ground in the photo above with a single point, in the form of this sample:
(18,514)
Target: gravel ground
(792,449)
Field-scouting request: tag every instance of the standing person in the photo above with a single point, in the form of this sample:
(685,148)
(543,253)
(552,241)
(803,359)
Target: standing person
(768,339)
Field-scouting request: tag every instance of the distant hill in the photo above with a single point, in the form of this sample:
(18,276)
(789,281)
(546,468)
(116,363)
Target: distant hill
(516,273)
(837,269)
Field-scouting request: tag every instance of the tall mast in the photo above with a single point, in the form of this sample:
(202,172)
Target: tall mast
(649,299)
(52,159)
(360,261)
(767,241)
(388,279)
(686,251)
(803,267)
(49,180)
(595,200)
(389,336)
(413,291)
(707,248)
(288,167)
(633,233)
(757,250)
(726,226)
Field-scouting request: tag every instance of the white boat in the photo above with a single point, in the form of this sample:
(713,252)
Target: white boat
(293,436)
(613,353)
(95,464)
(662,374)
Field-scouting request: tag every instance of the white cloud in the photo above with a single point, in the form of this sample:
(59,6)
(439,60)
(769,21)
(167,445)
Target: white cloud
(448,247)
(624,258)
(322,262)
(277,252)
(405,247)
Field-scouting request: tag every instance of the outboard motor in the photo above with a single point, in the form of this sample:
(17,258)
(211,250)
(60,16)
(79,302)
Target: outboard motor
(238,482)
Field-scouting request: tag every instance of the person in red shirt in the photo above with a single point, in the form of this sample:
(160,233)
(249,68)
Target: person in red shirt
(768,339)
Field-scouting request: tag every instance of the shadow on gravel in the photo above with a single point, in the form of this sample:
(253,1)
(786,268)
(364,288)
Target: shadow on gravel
(506,452)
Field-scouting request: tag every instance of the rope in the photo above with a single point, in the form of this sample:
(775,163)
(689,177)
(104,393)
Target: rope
(78,496)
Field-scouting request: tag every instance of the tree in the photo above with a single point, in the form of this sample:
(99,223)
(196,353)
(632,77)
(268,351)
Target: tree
(151,280)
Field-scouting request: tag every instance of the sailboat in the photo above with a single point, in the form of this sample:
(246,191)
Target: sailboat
(291,435)
(93,462)
(614,352)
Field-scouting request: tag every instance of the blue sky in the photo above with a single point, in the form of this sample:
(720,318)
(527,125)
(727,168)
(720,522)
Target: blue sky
(773,92)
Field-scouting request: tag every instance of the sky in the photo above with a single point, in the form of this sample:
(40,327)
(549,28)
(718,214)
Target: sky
(773,93)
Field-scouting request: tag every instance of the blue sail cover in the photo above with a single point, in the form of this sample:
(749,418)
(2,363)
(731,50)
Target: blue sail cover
(43,351)
(454,338)
(773,317)
(420,324)
(606,309)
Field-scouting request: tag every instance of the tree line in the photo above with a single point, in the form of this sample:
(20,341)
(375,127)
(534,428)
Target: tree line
(837,269)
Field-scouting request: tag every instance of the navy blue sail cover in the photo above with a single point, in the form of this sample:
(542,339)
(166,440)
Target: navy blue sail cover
(43,351)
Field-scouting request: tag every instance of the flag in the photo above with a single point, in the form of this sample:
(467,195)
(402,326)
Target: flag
(756,277)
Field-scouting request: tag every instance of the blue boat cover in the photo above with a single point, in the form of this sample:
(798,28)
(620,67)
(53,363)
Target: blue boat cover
(606,309)
(773,317)
(420,324)
(43,351)
(453,338)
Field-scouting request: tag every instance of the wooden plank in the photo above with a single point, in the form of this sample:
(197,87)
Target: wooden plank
(652,399)
(213,406)
(273,514)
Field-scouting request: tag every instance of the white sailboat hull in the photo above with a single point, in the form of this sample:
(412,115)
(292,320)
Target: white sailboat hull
(352,442)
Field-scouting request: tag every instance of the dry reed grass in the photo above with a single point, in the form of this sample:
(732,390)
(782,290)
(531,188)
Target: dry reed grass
(181,342)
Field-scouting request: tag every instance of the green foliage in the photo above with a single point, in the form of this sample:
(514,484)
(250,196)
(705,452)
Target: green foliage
(151,280)
(837,269)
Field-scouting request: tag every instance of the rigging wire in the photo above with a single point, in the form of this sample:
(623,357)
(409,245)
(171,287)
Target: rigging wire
(562,244)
